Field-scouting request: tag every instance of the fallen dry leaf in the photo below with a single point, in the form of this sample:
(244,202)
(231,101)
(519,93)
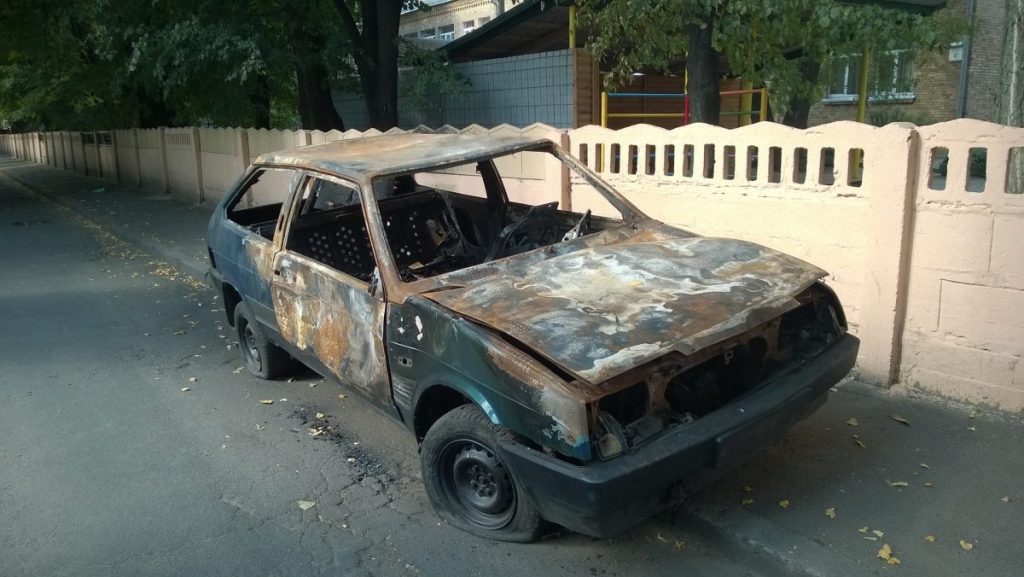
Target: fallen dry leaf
(238,370)
(965,545)
(304,505)
(267,401)
(900,420)
(924,465)
(320,415)
(192,379)
(929,484)
(284,400)
(878,533)
(897,483)
(859,443)
(929,538)
(746,502)
(351,459)
(342,396)
(784,503)
(662,539)
(830,512)
(852,422)
(972,429)
(1006,499)
(680,544)
(748,489)
(886,553)
(863,529)
(183,389)
(871,538)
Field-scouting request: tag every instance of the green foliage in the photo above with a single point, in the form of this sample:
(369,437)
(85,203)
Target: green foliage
(767,42)
(432,77)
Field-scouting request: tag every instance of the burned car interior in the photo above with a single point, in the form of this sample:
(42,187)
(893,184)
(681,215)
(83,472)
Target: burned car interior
(429,230)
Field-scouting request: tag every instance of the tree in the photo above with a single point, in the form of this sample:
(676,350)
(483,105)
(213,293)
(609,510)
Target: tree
(782,44)
(371,27)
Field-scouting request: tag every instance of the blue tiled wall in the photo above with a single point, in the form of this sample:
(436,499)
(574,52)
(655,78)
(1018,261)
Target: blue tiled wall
(518,90)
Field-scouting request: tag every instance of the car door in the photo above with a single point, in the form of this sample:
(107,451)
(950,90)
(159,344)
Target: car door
(320,288)
(243,241)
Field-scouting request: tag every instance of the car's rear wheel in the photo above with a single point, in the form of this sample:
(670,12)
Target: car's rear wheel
(469,485)
(263,358)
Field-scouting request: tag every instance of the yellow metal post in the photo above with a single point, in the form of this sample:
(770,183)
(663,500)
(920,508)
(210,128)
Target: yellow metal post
(572,27)
(604,109)
(746,103)
(862,89)
(764,106)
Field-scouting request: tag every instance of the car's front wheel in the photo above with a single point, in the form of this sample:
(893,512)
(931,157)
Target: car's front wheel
(263,358)
(469,485)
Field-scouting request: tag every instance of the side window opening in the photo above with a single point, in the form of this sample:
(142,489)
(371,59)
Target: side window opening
(331,229)
(258,206)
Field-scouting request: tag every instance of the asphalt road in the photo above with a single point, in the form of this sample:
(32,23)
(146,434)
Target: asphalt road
(132,444)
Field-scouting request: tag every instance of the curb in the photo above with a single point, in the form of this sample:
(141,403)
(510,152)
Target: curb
(748,533)
(177,258)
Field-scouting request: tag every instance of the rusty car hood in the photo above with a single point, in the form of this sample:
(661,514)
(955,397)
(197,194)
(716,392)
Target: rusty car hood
(602,310)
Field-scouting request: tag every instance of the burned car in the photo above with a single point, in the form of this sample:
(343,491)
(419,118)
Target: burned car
(556,364)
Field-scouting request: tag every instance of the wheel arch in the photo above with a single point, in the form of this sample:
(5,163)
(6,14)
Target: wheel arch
(232,298)
(434,401)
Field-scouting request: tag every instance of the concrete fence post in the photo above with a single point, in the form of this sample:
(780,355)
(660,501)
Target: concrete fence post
(96,147)
(891,211)
(565,185)
(197,147)
(138,159)
(243,147)
(117,160)
(165,182)
(63,150)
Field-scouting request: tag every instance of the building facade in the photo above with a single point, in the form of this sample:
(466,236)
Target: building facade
(446,21)
(962,80)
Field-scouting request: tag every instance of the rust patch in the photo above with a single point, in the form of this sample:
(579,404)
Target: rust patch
(261,252)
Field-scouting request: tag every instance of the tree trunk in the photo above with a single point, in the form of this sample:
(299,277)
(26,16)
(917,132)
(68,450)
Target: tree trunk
(316,104)
(1010,105)
(259,100)
(800,108)
(702,75)
(378,70)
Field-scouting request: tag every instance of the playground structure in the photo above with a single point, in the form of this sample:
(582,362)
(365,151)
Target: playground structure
(745,114)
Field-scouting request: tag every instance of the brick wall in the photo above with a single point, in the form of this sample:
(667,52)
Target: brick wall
(986,51)
(937,80)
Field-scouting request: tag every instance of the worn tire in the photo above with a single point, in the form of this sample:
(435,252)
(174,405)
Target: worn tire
(468,484)
(263,358)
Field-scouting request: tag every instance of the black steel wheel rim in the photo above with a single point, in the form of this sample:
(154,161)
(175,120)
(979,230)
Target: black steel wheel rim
(477,484)
(252,351)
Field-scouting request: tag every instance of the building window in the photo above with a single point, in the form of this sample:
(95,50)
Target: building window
(428,33)
(468,26)
(892,77)
(483,20)
(446,32)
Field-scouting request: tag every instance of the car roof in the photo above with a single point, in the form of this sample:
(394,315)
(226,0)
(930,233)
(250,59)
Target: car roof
(397,153)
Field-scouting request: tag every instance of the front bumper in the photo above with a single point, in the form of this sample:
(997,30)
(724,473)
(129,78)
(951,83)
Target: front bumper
(605,497)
